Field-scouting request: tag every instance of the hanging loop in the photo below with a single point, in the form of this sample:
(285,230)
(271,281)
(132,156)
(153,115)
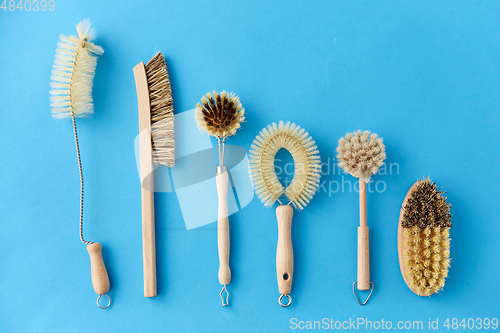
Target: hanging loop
(289,300)
(99,305)
(357,299)
(224,301)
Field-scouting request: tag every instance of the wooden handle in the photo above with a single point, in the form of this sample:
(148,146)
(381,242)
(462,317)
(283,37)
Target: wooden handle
(147,181)
(223,229)
(363,242)
(100,280)
(363,259)
(284,252)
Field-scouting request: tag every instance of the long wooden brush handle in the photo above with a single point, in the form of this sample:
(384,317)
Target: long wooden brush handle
(100,280)
(284,252)
(223,229)
(363,242)
(147,181)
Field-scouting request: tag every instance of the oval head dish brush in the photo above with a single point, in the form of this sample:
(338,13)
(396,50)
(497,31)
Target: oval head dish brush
(71,97)
(424,238)
(361,154)
(221,115)
(299,192)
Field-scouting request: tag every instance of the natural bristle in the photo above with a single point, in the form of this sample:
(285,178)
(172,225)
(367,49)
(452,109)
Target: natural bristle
(73,74)
(219,115)
(426,207)
(162,111)
(426,223)
(361,154)
(305,156)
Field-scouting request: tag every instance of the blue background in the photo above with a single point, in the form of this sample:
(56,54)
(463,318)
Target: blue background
(424,75)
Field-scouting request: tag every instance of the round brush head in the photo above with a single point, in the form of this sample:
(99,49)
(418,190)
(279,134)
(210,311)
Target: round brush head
(424,238)
(361,154)
(219,115)
(305,156)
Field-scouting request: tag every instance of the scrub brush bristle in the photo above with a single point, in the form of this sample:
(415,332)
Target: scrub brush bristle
(73,74)
(423,237)
(162,111)
(219,115)
(361,154)
(305,157)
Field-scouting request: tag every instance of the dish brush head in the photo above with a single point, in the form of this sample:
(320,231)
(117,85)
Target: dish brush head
(162,111)
(425,223)
(219,115)
(73,74)
(361,154)
(305,156)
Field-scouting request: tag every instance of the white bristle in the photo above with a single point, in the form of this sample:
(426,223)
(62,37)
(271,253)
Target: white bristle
(360,154)
(73,74)
(305,156)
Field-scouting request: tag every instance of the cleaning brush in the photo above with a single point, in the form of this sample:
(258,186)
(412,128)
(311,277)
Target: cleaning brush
(361,154)
(424,238)
(71,96)
(221,115)
(299,192)
(156,146)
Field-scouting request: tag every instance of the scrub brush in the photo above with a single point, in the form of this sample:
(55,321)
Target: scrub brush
(221,115)
(156,145)
(361,154)
(71,96)
(424,238)
(299,192)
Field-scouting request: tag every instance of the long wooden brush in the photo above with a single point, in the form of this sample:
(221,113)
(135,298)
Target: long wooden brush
(361,154)
(221,115)
(299,192)
(424,238)
(71,97)
(156,146)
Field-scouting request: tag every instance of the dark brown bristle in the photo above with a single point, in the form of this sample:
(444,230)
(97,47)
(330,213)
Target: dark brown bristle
(162,111)
(219,114)
(427,207)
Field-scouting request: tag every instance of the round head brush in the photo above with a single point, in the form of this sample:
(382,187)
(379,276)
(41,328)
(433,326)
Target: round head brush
(71,97)
(221,115)
(424,238)
(361,154)
(299,192)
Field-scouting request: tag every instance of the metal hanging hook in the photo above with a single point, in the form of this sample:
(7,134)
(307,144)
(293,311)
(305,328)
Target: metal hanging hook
(357,299)
(289,300)
(226,301)
(99,305)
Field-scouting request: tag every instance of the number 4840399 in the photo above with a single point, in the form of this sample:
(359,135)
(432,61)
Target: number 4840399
(28,5)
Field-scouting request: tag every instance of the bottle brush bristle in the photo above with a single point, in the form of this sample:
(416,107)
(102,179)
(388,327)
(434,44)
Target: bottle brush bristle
(73,74)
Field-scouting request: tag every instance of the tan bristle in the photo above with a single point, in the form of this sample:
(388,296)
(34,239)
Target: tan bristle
(219,115)
(305,156)
(361,154)
(426,221)
(162,111)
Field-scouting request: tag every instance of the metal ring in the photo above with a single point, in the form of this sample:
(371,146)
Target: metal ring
(222,297)
(99,305)
(289,300)
(357,299)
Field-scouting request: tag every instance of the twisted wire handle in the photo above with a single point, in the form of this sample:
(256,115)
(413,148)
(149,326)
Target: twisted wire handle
(81,180)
